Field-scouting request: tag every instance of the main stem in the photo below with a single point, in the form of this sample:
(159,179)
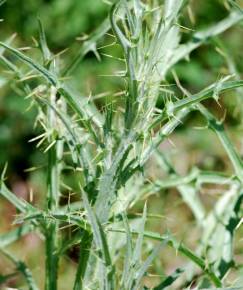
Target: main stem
(53,180)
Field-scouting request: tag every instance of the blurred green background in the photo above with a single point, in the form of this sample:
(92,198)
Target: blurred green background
(66,22)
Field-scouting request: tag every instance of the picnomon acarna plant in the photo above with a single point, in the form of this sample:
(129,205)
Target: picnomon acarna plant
(109,150)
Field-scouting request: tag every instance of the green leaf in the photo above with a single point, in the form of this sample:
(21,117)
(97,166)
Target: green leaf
(14,235)
(218,128)
(181,248)
(88,45)
(44,72)
(124,42)
(128,255)
(20,204)
(85,245)
(43,44)
(101,243)
(168,281)
(205,94)
(137,254)
(90,113)
(23,269)
(146,264)
(56,215)
(201,37)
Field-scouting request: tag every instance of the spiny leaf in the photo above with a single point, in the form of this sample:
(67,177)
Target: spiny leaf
(205,94)
(20,204)
(88,45)
(172,8)
(23,269)
(49,76)
(181,249)
(43,44)
(168,281)
(218,128)
(85,245)
(202,36)
(65,91)
(138,247)
(14,235)
(125,43)
(101,243)
(146,264)
(129,248)
(60,216)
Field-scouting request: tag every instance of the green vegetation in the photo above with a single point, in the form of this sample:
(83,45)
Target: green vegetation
(135,181)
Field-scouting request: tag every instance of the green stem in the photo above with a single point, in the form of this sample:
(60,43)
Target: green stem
(85,245)
(218,128)
(53,175)
(205,94)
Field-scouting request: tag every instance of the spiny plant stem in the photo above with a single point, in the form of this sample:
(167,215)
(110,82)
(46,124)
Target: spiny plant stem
(109,150)
(218,128)
(85,246)
(53,177)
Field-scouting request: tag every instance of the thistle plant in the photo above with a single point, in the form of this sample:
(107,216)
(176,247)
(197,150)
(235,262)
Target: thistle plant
(108,151)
